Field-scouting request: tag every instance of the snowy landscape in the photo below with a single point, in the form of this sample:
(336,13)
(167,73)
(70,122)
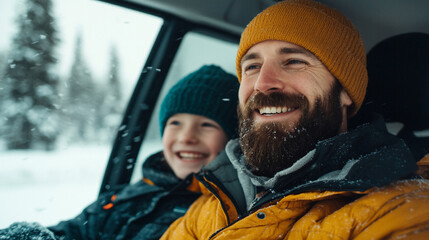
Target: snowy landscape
(49,186)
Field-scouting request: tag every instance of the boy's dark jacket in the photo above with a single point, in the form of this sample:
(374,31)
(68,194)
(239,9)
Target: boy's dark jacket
(140,211)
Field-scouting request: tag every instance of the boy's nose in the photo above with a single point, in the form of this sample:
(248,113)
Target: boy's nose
(188,136)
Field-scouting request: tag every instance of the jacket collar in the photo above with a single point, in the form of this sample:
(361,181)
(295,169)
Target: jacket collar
(157,170)
(158,177)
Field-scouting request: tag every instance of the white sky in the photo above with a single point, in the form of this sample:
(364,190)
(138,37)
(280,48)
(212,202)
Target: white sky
(101,25)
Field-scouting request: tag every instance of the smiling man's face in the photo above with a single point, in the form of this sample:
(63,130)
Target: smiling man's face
(288,102)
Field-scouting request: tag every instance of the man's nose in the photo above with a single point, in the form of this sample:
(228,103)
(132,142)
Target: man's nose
(269,79)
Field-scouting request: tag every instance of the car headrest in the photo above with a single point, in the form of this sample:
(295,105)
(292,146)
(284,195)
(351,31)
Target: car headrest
(398,87)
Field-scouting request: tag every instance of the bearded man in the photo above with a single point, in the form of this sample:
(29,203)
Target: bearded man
(297,171)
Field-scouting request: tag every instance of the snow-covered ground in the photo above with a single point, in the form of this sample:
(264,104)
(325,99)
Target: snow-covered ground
(47,187)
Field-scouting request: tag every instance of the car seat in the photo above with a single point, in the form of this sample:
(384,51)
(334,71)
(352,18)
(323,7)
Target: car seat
(398,87)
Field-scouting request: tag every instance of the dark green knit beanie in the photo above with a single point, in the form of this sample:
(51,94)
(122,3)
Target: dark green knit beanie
(210,92)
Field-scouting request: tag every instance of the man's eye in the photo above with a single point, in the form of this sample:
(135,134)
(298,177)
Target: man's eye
(295,61)
(251,67)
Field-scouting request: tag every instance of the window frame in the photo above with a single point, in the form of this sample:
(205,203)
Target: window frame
(136,119)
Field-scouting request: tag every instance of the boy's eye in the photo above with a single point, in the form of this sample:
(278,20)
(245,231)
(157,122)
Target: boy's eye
(174,122)
(207,124)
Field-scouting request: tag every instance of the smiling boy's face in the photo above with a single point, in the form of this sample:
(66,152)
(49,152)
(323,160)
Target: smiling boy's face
(190,142)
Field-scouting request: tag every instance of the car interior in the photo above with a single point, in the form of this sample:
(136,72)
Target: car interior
(183,35)
(399,81)
(224,20)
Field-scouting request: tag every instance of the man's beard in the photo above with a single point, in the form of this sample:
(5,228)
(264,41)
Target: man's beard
(272,147)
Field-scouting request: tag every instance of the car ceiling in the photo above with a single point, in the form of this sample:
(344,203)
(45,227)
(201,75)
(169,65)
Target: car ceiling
(380,19)
(375,19)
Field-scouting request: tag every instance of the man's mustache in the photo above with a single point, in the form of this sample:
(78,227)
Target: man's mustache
(276,99)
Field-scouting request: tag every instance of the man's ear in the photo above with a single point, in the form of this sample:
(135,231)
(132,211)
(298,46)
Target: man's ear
(345,99)
(345,102)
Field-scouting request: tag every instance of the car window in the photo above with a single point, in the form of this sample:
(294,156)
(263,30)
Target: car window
(57,124)
(195,50)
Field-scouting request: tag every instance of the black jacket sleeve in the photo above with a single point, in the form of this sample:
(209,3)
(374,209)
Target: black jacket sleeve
(26,231)
(88,224)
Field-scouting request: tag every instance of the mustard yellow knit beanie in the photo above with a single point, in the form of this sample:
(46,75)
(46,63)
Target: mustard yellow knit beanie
(325,32)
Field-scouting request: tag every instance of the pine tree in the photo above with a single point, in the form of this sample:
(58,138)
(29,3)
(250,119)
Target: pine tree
(3,94)
(32,116)
(80,97)
(110,112)
(3,64)
(114,80)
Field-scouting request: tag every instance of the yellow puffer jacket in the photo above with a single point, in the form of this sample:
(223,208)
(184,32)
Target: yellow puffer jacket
(397,211)
(357,185)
